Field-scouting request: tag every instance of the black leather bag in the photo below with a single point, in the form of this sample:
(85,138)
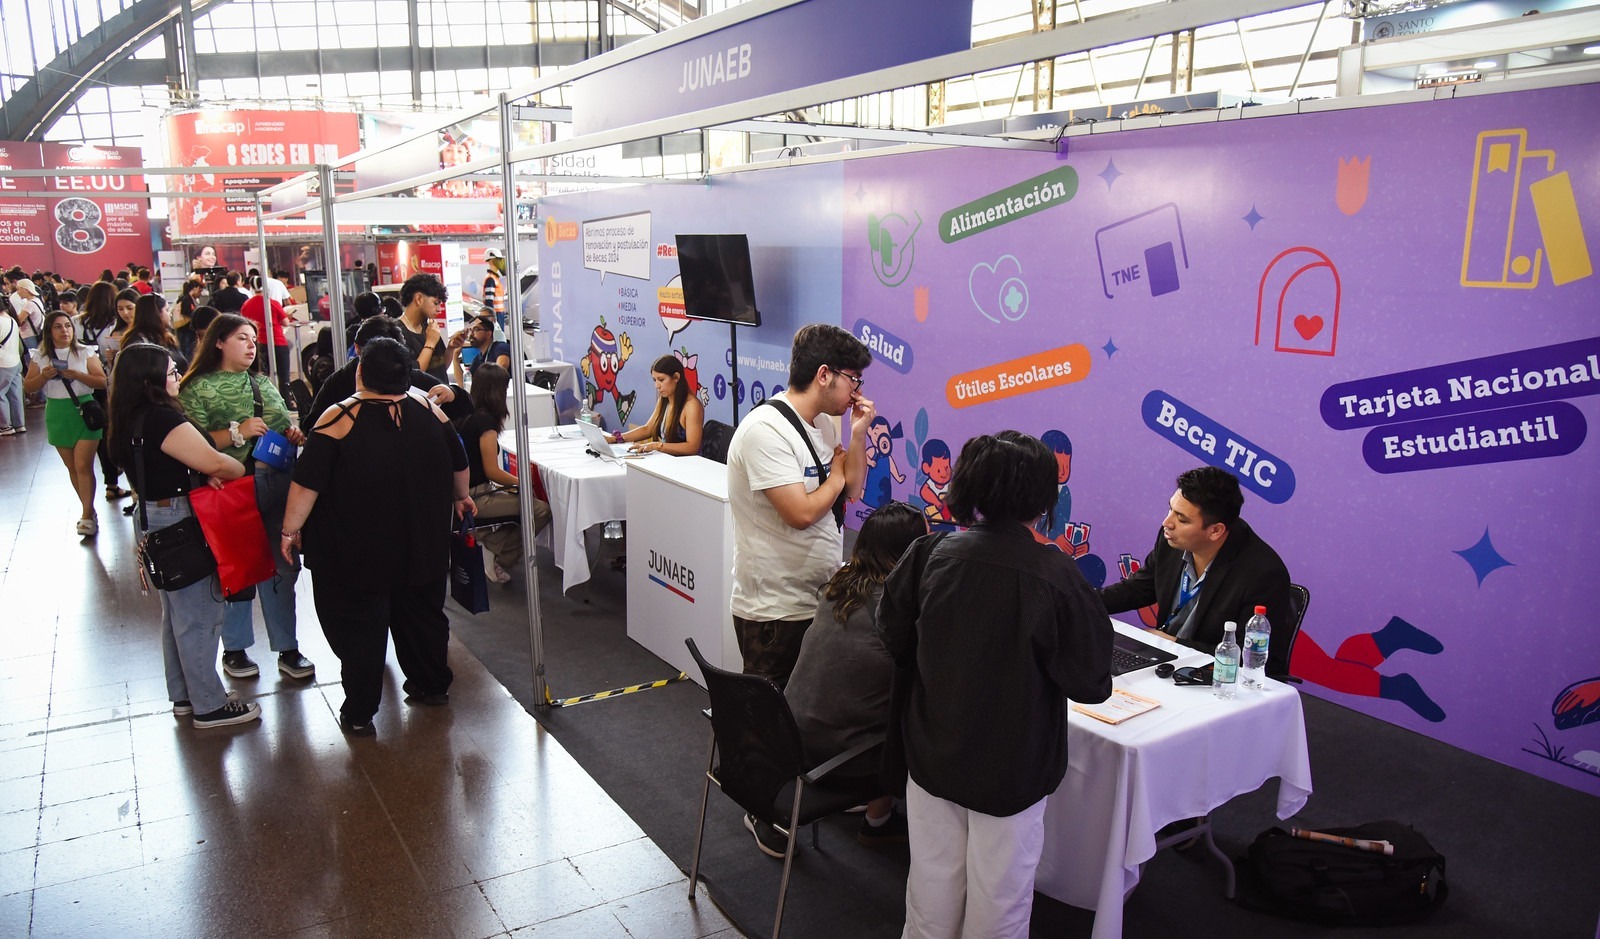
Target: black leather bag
(1345,886)
(94,416)
(174,557)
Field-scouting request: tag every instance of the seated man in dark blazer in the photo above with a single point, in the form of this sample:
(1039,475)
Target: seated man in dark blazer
(1208,567)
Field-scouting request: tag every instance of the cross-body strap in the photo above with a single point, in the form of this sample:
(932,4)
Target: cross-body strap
(255,389)
(805,438)
(138,469)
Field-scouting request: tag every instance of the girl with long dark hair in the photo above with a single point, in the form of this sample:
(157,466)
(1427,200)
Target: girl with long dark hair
(67,371)
(492,488)
(675,424)
(219,395)
(152,323)
(145,408)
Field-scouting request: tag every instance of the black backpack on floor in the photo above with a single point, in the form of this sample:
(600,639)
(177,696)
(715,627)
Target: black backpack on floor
(1337,885)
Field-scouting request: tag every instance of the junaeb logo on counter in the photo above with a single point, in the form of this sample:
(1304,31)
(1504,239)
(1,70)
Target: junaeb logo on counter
(672,574)
(1056,187)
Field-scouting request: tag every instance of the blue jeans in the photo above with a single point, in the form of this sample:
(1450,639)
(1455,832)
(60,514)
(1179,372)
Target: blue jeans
(11,413)
(276,596)
(191,621)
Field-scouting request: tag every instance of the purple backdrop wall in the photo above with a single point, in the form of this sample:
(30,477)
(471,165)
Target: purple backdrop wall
(1248,294)
(1316,302)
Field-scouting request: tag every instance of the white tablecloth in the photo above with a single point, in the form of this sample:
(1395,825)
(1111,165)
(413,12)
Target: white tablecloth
(583,491)
(1181,760)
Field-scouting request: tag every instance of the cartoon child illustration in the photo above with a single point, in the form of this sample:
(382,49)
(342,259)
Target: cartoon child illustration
(881,467)
(606,356)
(1071,537)
(936,467)
(1353,668)
(691,374)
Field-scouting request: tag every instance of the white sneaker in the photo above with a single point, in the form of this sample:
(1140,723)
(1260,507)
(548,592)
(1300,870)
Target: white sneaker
(88,527)
(8,431)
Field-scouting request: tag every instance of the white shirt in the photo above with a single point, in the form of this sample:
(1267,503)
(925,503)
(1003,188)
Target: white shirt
(77,360)
(275,290)
(10,342)
(777,569)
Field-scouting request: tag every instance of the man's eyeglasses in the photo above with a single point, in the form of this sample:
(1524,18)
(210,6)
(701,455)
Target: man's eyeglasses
(856,379)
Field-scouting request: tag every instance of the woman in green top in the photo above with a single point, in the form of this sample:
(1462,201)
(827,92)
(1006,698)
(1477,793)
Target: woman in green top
(219,394)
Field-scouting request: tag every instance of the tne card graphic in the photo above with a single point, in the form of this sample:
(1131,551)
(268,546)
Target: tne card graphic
(1142,255)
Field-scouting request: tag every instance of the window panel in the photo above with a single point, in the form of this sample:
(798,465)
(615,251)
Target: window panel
(291,13)
(393,35)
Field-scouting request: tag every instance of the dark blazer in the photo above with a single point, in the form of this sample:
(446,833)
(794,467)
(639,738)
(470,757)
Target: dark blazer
(1245,572)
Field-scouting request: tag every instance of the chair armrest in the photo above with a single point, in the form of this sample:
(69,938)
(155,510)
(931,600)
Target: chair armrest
(815,775)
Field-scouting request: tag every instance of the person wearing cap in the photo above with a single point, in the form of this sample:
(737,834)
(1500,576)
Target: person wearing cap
(494,285)
(29,310)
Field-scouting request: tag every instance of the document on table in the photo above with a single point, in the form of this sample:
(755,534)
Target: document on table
(1119,707)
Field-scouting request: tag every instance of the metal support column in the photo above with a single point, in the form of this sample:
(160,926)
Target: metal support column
(330,251)
(518,404)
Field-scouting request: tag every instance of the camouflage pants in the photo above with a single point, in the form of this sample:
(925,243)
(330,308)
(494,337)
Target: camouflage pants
(770,647)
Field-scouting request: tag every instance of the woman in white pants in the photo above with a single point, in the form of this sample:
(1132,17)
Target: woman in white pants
(997,631)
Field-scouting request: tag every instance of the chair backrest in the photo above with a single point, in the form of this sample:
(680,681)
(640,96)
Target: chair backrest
(758,743)
(1302,599)
(714,439)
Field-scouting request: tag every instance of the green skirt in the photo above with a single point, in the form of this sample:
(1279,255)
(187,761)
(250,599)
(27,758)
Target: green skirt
(63,425)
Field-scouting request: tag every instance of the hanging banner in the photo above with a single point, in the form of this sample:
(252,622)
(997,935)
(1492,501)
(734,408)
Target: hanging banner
(792,47)
(99,220)
(213,141)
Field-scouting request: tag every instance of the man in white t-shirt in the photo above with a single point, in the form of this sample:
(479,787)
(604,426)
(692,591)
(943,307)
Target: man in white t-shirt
(787,539)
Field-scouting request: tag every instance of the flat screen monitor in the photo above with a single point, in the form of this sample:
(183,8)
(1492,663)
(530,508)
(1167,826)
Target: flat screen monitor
(717,282)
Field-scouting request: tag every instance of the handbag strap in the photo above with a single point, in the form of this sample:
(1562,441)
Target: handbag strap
(805,438)
(71,395)
(255,389)
(138,469)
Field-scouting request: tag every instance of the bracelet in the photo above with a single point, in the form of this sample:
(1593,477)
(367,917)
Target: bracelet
(291,534)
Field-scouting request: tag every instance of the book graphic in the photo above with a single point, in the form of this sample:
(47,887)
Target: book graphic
(1142,254)
(1521,217)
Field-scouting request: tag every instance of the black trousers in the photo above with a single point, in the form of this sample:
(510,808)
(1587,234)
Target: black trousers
(770,648)
(358,623)
(109,472)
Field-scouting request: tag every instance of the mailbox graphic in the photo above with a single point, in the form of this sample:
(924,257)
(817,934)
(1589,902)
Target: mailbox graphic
(1299,294)
(1521,217)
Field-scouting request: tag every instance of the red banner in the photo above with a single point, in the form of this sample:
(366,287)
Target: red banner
(213,141)
(101,221)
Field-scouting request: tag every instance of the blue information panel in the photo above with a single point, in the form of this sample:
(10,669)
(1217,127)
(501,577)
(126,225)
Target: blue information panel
(810,42)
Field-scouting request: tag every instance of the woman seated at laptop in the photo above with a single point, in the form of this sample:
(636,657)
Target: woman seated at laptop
(674,426)
(493,489)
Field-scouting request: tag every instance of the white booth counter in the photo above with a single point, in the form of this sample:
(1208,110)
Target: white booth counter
(680,561)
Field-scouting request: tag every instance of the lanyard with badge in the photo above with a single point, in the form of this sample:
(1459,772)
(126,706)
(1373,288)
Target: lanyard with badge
(1187,592)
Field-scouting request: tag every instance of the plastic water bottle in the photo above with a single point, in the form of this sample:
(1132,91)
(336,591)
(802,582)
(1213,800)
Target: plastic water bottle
(586,413)
(1257,636)
(1225,671)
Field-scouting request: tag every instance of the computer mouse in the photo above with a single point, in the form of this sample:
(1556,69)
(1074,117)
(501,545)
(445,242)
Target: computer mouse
(1164,670)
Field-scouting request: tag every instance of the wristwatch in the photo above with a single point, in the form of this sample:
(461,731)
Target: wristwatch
(233,433)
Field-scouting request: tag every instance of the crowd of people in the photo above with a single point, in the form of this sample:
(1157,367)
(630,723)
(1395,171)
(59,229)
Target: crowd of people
(175,403)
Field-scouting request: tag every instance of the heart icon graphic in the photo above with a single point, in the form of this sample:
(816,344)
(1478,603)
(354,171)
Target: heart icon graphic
(1307,326)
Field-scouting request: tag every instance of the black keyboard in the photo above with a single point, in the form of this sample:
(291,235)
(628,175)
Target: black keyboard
(1123,661)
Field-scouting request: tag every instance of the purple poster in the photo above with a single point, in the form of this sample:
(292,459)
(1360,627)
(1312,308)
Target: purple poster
(1382,320)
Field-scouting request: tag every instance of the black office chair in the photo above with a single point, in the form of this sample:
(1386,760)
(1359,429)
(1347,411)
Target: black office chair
(1302,599)
(714,439)
(757,761)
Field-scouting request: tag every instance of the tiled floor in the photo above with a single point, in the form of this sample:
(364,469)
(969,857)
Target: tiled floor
(118,819)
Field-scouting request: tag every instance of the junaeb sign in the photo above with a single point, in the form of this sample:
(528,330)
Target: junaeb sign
(792,47)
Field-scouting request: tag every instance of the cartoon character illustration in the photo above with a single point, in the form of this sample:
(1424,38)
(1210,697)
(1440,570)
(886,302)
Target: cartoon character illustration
(881,467)
(691,373)
(197,157)
(1128,565)
(1577,704)
(607,355)
(1353,668)
(937,471)
(1071,537)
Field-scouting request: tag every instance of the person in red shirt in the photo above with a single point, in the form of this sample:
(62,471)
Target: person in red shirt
(142,283)
(252,310)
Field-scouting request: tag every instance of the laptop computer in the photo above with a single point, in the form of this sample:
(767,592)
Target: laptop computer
(601,444)
(1129,655)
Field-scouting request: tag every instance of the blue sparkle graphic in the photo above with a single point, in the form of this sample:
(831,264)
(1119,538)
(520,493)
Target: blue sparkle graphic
(1484,558)
(1110,348)
(1110,173)
(1254,217)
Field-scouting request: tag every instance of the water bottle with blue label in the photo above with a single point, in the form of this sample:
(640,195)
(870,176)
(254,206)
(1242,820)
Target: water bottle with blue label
(1257,636)
(1225,670)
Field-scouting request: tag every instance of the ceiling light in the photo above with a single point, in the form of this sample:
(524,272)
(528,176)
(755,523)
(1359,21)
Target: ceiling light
(1486,63)
(1591,50)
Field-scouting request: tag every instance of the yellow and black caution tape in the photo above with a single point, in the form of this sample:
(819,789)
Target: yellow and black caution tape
(614,692)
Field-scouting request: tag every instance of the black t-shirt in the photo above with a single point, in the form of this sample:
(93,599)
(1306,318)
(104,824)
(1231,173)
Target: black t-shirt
(472,431)
(228,300)
(164,477)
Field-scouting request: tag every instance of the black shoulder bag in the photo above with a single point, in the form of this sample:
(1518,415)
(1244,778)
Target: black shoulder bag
(174,557)
(822,468)
(94,416)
